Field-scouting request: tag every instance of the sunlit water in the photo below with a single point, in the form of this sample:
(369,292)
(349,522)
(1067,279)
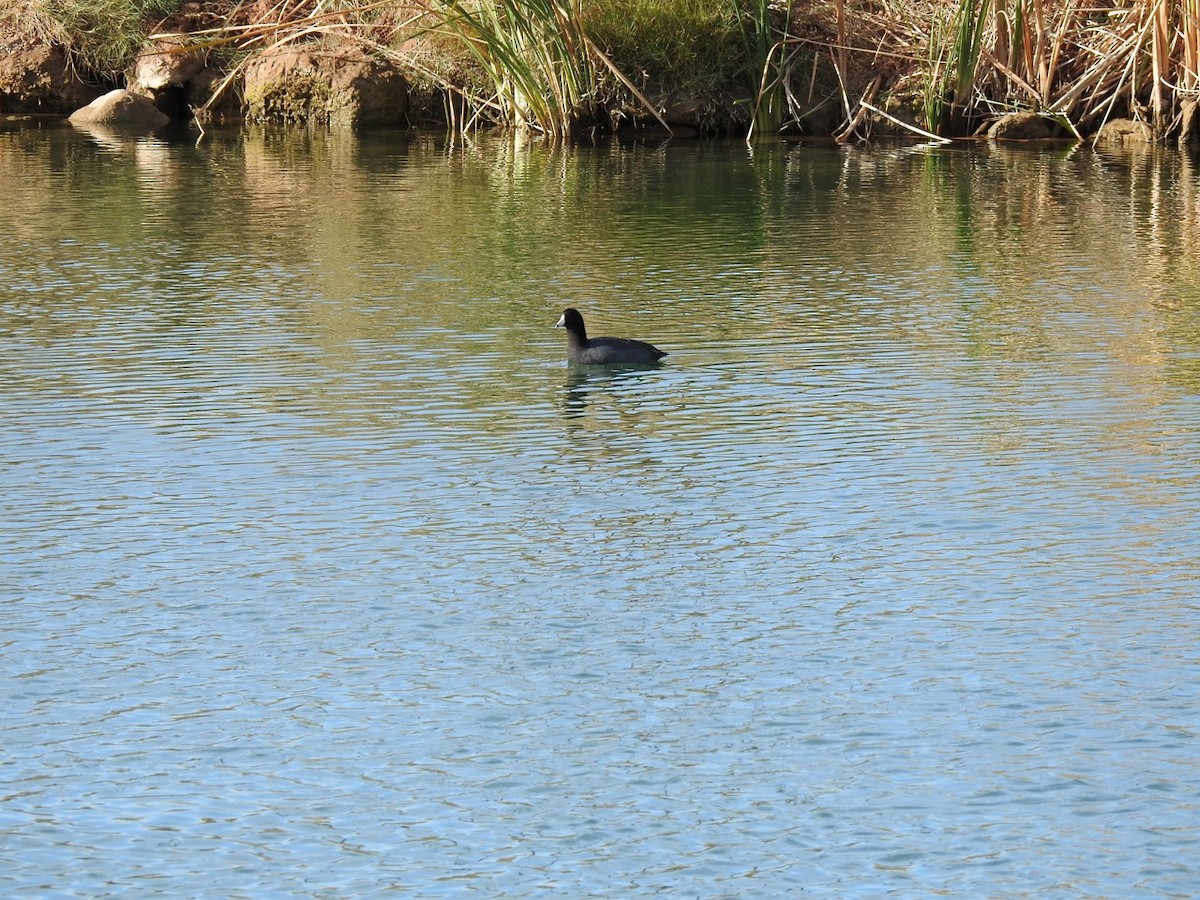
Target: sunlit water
(322,575)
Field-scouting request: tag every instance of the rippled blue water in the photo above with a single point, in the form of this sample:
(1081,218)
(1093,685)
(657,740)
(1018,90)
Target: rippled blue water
(322,575)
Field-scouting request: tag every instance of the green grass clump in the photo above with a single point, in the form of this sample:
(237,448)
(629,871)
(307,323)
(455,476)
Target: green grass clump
(106,34)
(675,46)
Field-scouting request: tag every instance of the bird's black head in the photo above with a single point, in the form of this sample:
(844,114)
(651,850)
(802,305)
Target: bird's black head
(572,321)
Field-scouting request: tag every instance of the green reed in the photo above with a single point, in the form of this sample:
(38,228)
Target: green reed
(955,47)
(536,57)
(764,55)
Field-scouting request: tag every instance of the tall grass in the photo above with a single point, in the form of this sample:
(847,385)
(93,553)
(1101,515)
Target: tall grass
(955,46)
(763,53)
(535,55)
(542,64)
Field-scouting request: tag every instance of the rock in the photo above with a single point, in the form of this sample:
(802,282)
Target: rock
(38,78)
(1026,126)
(166,64)
(337,86)
(121,109)
(165,72)
(1124,132)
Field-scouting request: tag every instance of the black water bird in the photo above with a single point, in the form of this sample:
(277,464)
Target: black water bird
(604,351)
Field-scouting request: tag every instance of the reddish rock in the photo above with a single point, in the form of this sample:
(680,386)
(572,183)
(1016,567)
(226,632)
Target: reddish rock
(337,86)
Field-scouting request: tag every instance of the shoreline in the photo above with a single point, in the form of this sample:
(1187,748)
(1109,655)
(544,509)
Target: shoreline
(337,78)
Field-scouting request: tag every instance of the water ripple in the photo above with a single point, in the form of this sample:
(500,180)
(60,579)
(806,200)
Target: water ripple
(324,575)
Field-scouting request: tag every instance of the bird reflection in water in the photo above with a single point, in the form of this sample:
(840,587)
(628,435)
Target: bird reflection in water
(587,386)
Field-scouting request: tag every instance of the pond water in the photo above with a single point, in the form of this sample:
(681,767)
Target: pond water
(323,575)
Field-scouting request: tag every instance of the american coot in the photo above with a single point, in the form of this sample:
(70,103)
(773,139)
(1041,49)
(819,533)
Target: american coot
(604,351)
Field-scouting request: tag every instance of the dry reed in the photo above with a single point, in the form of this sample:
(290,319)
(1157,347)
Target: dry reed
(1080,62)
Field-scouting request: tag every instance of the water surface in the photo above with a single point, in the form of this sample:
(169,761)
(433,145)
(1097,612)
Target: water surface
(321,574)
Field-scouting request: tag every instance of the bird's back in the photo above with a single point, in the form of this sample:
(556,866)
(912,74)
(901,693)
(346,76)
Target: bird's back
(614,351)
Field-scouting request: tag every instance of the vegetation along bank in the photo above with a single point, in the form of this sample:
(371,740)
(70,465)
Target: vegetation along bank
(1117,69)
